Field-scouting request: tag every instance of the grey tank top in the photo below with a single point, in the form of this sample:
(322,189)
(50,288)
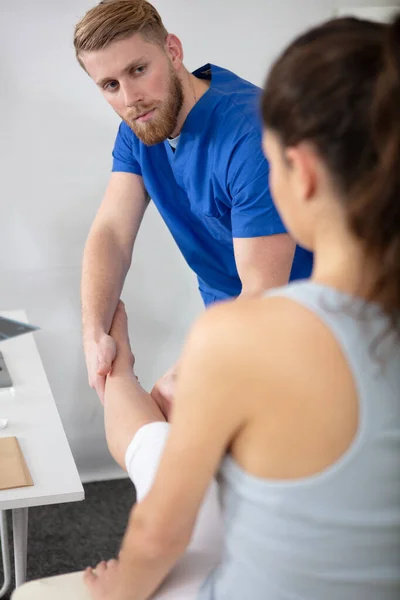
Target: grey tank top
(334,535)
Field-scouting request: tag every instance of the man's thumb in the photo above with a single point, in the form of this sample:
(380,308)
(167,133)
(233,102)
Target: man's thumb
(105,357)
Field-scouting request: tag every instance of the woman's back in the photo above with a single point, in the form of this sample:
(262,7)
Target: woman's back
(331,531)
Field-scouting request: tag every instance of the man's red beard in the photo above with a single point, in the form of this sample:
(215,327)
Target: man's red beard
(164,121)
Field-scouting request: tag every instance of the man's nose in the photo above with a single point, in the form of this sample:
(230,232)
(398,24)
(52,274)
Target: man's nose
(133,94)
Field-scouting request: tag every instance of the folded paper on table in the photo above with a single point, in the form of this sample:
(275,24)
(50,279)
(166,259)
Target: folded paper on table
(14,472)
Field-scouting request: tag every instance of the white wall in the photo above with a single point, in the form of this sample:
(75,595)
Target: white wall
(56,136)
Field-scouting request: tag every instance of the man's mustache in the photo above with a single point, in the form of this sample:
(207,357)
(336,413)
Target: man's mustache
(138,111)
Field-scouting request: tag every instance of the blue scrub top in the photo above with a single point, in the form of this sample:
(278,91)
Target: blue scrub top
(214,186)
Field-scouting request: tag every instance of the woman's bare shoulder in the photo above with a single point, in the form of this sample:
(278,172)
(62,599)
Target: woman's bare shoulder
(263,332)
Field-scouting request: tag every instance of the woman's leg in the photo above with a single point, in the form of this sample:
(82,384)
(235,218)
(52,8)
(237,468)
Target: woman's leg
(136,434)
(142,459)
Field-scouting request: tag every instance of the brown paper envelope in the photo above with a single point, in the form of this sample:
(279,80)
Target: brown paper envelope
(14,472)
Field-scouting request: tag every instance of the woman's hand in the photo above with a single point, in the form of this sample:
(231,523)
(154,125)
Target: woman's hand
(105,582)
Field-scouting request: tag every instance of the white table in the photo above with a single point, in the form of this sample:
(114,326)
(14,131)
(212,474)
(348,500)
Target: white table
(35,422)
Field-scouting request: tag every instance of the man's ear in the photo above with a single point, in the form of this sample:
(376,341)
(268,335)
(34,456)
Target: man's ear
(302,163)
(174,50)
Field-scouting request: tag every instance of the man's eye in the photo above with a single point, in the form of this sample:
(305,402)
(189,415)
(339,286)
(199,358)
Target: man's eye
(139,70)
(111,86)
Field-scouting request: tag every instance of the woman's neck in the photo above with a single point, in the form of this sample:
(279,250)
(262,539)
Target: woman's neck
(341,262)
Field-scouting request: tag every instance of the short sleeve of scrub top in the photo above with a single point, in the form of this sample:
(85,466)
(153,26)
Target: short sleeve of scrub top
(124,159)
(253,212)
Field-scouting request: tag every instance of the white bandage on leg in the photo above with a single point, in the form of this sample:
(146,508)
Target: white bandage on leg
(142,459)
(143,455)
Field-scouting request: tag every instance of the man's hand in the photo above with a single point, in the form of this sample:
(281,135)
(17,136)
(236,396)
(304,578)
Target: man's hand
(163,391)
(99,358)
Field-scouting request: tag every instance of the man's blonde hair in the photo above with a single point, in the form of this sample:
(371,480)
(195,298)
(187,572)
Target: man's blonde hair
(114,20)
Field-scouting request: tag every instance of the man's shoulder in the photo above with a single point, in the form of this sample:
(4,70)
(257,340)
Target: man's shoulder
(238,112)
(227,80)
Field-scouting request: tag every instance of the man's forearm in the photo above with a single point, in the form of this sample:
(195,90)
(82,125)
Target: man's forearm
(103,274)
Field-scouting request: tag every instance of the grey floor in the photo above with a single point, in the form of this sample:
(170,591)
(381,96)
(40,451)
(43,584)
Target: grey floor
(70,537)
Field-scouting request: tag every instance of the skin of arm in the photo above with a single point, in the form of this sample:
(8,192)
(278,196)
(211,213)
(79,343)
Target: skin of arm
(263,262)
(108,251)
(106,261)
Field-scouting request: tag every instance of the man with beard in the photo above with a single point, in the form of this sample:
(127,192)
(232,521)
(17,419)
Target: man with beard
(191,143)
